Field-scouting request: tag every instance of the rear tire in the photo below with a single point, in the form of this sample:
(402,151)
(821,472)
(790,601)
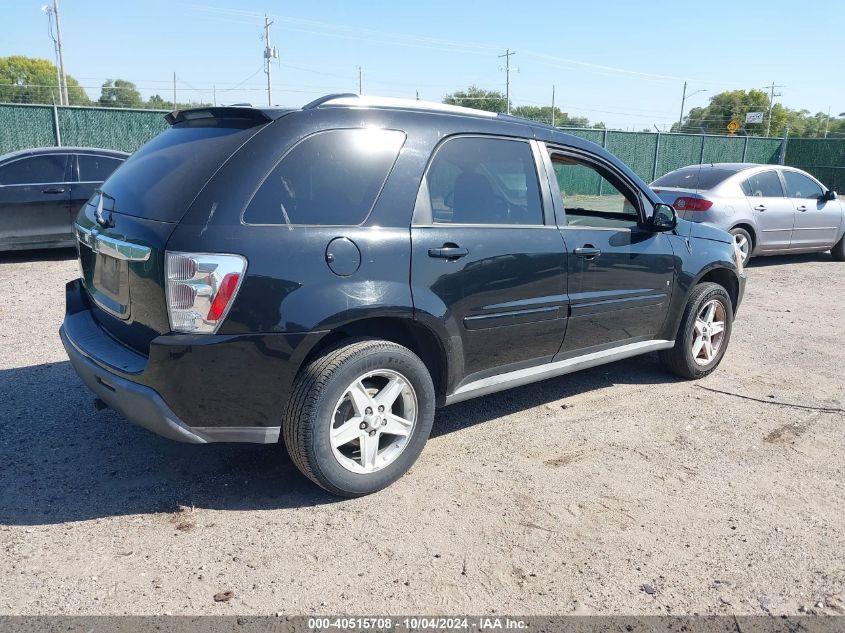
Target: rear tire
(704,333)
(359,416)
(838,250)
(744,241)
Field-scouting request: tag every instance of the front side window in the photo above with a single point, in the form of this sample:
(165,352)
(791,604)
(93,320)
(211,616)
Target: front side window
(763,185)
(800,186)
(593,196)
(484,181)
(49,168)
(330,178)
(96,168)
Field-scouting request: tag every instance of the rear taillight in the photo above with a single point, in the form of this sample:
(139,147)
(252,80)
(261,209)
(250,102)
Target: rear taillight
(200,289)
(692,204)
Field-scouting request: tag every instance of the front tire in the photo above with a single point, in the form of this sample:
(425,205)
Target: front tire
(704,333)
(838,250)
(359,416)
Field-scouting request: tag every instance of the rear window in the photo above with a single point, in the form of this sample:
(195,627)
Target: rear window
(161,179)
(94,168)
(693,178)
(330,178)
(763,185)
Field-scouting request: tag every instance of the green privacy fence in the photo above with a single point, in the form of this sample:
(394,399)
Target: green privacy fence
(25,126)
(649,154)
(824,158)
(652,154)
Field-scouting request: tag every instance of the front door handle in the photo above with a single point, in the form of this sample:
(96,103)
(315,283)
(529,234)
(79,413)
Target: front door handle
(802,208)
(448,251)
(760,207)
(53,190)
(588,251)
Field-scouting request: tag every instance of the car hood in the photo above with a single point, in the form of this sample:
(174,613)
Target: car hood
(703,231)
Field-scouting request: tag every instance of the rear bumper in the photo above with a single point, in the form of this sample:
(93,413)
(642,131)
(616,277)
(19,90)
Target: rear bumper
(195,389)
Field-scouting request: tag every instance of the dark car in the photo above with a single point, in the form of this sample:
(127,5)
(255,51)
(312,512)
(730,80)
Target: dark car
(332,274)
(42,189)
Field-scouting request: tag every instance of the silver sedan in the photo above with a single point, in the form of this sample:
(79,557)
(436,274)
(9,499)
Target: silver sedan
(770,209)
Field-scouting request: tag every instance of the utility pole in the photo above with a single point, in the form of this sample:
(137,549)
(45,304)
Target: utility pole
(61,55)
(683,101)
(270,53)
(827,122)
(772,96)
(553,105)
(175,107)
(507,56)
(49,11)
(359,79)
(214,94)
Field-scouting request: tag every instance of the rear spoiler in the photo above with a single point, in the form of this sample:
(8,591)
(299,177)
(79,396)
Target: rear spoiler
(255,115)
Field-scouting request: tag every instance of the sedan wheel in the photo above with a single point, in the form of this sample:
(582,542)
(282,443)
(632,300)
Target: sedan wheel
(744,243)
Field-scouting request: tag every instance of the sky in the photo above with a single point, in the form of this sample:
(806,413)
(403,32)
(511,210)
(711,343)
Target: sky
(623,63)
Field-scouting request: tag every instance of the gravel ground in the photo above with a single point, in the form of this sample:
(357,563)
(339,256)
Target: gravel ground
(617,490)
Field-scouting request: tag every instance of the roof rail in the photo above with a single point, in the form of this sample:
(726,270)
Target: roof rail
(354,100)
(321,100)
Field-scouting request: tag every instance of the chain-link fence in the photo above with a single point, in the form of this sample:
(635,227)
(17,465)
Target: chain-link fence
(649,154)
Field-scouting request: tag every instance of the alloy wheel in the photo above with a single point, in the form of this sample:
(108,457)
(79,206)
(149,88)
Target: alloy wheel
(373,421)
(709,332)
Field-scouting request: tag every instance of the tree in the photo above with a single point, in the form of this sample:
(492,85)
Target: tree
(157,102)
(31,80)
(478,98)
(120,94)
(543,114)
(731,105)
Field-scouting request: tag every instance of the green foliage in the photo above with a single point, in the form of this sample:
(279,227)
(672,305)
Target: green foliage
(478,98)
(30,80)
(157,102)
(543,114)
(120,94)
(733,105)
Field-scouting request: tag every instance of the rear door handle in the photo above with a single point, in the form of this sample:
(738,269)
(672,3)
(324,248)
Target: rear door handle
(587,252)
(760,207)
(53,190)
(448,251)
(802,208)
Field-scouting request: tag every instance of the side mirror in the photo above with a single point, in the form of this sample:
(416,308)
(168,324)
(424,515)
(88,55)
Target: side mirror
(664,218)
(830,194)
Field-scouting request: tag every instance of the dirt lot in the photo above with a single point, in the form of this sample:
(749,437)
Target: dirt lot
(616,490)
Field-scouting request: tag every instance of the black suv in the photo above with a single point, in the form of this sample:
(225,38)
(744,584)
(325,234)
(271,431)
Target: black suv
(332,274)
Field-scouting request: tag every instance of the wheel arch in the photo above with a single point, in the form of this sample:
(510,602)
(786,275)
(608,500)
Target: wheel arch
(723,276)
(407,332)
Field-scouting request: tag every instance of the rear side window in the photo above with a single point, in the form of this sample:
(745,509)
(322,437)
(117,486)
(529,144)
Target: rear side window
(35,170)
(484,181)
(329,178)
(799,186)
(763,185)
(96,168)
(693,178)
